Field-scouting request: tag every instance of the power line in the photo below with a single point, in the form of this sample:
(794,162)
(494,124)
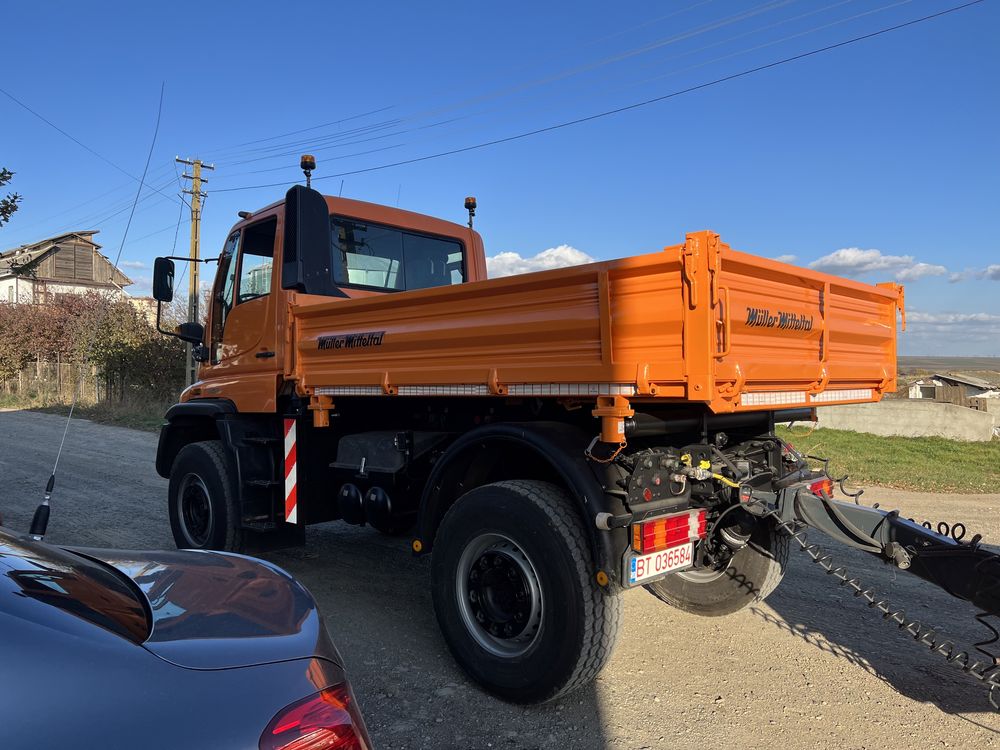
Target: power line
(764,7)
(631,29)
(158,231)
(342,156)
(103,215)
(629,107)
(313,149)
(783,39)
(338,139)
(22,228)
(77,141)
(302,130)
(312,144)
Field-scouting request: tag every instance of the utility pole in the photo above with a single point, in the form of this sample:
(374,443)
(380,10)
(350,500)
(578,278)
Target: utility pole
(196,194)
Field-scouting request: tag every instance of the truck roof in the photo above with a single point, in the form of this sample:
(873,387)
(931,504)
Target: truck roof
(376,212)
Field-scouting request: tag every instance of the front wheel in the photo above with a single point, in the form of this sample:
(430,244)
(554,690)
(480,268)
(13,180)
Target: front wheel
(514,592)
(753,572)
(201,503)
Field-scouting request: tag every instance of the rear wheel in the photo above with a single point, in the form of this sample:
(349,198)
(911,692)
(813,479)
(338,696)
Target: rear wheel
(752,573)
(514,592)
(201,502)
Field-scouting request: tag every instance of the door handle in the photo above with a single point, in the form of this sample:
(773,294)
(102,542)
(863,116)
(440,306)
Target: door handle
(264,355)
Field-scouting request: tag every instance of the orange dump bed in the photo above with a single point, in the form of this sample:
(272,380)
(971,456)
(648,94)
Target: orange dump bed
(697,322)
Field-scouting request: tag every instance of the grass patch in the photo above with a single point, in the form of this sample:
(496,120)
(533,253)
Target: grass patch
(927,464)
(138,415)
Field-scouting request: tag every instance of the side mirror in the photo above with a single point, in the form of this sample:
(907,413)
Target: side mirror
(163,280)
(190,332)
(306,260)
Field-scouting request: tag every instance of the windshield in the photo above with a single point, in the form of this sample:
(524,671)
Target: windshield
(76,585)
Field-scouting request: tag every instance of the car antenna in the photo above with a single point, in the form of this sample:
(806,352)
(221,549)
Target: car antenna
(40,521)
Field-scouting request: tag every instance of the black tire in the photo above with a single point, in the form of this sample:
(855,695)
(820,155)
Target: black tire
(202,502)
(754,571)
(531,529)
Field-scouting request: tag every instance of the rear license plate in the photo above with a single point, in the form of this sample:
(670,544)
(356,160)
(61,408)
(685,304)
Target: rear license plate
(643,568)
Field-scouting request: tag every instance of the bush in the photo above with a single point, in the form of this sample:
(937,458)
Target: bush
(132,359)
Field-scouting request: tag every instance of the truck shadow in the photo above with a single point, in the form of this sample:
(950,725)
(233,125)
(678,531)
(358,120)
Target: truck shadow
(376,599)
(810,605)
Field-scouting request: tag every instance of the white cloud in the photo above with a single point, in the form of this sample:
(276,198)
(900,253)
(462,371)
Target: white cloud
(133,264)
(853,261)
(952,318)
(919,271)
(991,273)
(786,258)
(951,333)
(142,286)
(510,263)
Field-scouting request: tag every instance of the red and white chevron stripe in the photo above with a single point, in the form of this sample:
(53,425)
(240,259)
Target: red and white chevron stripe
(291,493)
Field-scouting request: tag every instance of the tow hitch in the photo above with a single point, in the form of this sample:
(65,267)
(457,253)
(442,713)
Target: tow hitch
(963,569)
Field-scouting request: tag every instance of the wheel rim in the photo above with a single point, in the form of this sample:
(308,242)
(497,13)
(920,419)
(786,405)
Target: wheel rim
(195,511)
(702,575)
(498,595)
(707,574)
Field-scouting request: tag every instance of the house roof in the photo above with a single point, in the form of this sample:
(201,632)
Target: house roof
(964,380)
(35,249)
(24,254)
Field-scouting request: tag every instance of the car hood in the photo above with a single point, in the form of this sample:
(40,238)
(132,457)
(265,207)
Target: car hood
(215,610)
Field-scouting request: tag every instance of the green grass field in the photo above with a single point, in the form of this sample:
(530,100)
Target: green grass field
(928,464)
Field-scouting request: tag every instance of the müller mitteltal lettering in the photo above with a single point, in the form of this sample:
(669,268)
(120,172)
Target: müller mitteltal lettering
(761,317)
(363,340)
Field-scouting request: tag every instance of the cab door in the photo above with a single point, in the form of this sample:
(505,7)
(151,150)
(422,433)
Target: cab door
(243,330)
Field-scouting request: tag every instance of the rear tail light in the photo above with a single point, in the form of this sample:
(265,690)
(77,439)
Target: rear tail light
(821,487)
(328,720)
(668,531)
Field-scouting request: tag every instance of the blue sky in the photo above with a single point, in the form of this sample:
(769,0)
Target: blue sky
(879,160)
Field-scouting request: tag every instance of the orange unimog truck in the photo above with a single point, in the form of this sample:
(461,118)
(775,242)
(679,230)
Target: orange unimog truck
(553,438)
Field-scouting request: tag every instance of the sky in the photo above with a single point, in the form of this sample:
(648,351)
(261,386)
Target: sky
(878,160)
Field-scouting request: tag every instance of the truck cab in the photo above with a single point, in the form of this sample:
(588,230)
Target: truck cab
(374,250)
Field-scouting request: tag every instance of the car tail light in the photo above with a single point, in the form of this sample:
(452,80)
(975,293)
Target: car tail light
(821,487)
(328,720)
(668,531)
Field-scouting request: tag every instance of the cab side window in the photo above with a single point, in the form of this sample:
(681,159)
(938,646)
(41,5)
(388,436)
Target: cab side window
(225,285)
(256,261)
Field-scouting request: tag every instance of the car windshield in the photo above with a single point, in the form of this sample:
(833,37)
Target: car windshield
(74,584)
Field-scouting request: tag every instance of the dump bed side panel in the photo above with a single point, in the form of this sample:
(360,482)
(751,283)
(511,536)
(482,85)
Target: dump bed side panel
(575,331)
(694,322)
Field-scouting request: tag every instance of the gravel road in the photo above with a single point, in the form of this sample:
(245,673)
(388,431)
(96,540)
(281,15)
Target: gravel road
(809,668)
